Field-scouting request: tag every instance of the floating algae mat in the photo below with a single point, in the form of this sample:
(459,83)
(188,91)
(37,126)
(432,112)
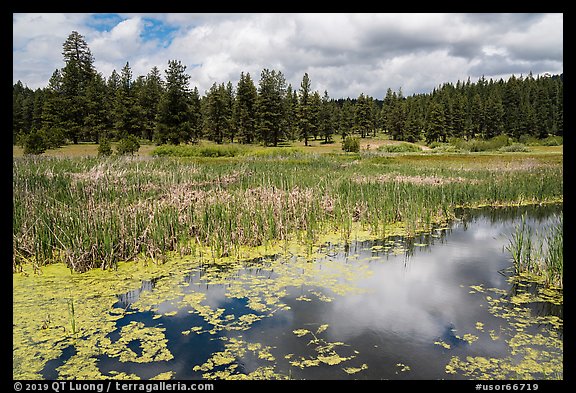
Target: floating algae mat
(441,305)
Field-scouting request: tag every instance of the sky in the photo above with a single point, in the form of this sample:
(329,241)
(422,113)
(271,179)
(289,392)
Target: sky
(345,54)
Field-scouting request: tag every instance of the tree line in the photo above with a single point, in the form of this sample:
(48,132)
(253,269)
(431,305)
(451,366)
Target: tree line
(79,104)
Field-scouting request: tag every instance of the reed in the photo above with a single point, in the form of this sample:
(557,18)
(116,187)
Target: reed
(539,253)
(92,212)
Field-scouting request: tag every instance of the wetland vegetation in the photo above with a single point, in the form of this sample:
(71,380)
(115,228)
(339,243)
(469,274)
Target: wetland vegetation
(237,258)
(94,212)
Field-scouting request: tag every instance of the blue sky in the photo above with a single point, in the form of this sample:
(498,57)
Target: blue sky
(345,54)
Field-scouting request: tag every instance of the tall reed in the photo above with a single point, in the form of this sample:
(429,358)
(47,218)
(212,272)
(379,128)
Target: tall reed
(539,252)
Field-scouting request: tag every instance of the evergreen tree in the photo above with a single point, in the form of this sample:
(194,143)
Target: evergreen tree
(346,125)
(315,109)
(435,123)
(494,113)
(386,111)
(245,109)
(412,124)
(459,108)
(476,116)
(375,113)
(229,102)
(559,107)
(511,105)
(362,122)
(218,113)
(544,114)
(303,112)
(39,98)
(173,109)
(77,75)
(271,90)
(326,118)
(195,115)
(19,126)
(54,105)
(397,117)
(95,120)
(127,112)
(290,113)
(148,98)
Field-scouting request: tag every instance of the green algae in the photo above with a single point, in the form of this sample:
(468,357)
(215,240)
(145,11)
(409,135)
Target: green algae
(43,326)
(534,344)
(325,351)
(354,370)
(236,348)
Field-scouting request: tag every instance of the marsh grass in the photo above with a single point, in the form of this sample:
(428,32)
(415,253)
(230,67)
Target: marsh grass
(539,253)
(92,212)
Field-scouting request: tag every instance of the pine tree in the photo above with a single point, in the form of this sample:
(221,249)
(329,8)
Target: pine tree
(95,120)
(290,114)
(326,118)
(559,107)
(18,116)
(459,115)
(511,105)
(303,111)
(148,97)
(397,117)
(54,104)
(315,108)
(435,123)
(494,114)
(77,75)
(346,125)
(476,110)
(375,113)
(127,112)
(218,114)
(271,90)
(412,124)
(386,111)
(195,115)
(229,109)
(173,109)
(362,120)
(245,109)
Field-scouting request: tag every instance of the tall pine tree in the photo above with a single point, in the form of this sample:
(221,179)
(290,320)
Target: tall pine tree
(173,108)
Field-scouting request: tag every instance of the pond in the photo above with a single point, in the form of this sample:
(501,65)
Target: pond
(441,305)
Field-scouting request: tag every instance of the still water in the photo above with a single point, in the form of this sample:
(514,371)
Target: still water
(441,305)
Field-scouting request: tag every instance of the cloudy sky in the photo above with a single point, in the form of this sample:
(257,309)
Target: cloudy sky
(343,53)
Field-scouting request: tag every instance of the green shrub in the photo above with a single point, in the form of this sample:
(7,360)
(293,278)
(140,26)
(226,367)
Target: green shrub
(33,143)
(445,148)
(515,147)
(219,151)
(53,137)
(477,145)
(104,148)
(128,145)
(528,140)
(199,151)
(403,147)
(552,141)
(351,144)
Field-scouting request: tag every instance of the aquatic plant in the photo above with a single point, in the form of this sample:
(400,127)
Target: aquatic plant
(92,212)
(538,253)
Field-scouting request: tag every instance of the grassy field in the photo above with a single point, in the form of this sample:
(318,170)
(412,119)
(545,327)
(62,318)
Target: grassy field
(70,205)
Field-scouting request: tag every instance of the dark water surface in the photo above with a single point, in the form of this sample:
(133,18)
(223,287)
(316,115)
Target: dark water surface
(415,305)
